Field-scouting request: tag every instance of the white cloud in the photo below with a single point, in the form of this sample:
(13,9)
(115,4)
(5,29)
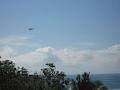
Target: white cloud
(7,52)
(35,59)
(73,56)
(14,40)
(70,60)
(96,61)
(10,46)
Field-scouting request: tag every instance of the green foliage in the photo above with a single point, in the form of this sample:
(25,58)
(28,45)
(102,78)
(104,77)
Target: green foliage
(12,78)
(54,79)
(8,74)
(84,82)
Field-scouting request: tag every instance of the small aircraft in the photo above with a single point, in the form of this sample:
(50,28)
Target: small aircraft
(30,29)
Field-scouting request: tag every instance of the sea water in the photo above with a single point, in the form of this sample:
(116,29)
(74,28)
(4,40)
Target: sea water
(112,81)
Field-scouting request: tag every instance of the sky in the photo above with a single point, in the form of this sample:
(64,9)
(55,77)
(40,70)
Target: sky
(76,35)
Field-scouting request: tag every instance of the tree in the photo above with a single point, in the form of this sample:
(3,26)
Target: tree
(85,83)
(55,79)
(12,78)
(7,75)
(99,85)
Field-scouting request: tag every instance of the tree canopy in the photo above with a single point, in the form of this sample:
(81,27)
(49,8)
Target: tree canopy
(16,78)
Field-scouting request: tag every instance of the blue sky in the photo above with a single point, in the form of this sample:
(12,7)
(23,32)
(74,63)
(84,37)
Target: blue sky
(60,24)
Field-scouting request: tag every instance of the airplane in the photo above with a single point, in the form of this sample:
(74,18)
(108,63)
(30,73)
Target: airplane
(30,29)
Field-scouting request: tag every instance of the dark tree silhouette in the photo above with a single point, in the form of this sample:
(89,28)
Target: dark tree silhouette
(16,78)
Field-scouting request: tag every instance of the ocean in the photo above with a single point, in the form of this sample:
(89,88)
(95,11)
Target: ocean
(112,81)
